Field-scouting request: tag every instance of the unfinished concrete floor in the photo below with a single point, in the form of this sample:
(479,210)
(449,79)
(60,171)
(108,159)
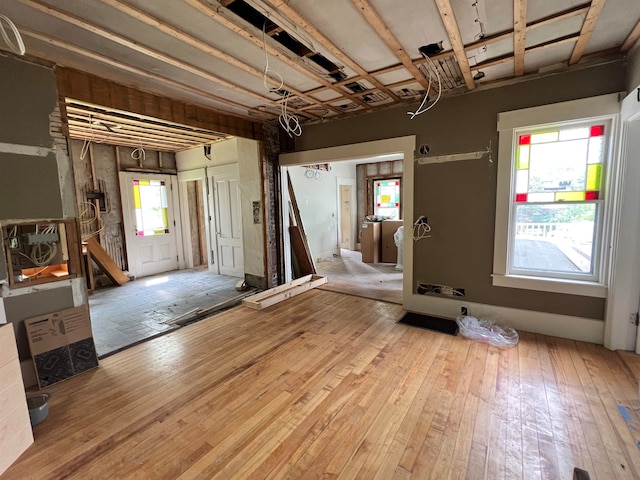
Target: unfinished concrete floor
(124,316)
(348,274)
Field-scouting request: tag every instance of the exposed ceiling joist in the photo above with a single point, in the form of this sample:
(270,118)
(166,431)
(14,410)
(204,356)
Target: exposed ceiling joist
(519,32)
(251,34)
(587,29)
(238,107)
(378,24)
(453,32)
(201,45)
(304,24)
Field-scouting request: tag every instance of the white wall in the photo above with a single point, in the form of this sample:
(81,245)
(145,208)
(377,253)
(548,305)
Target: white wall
(318,203)
(251,190)
(246,154)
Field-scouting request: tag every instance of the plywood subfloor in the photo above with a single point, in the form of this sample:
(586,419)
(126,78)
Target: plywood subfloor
(326,385)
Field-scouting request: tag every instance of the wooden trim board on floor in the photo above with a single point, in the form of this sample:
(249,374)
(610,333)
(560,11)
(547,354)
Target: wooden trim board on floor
(282,292)
(106,263)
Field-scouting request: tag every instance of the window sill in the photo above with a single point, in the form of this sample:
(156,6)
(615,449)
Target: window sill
(586,289)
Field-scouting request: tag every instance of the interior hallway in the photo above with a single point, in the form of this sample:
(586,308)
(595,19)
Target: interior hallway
(329,385)
(136,311)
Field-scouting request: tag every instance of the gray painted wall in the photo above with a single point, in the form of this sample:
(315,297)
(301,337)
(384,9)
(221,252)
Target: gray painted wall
(458,198)
(633,74)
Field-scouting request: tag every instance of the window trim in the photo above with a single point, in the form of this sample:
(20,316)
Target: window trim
(605,107)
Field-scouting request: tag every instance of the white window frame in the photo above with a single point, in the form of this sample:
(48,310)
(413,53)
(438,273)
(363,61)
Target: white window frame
(604,107)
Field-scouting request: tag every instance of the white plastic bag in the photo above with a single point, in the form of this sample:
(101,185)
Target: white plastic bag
(487,331)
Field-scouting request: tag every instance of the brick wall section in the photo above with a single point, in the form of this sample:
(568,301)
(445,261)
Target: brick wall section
(271,172)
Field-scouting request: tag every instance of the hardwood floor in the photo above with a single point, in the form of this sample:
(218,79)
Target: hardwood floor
(327,385)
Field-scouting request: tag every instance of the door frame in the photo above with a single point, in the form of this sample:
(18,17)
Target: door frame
(183,178)
(624,277)
(351,182)
(212,240)
(128,221)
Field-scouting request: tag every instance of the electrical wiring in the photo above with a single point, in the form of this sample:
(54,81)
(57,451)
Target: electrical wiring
(86,223)
(289,123)
(17,49)
(422,109)
(43,253)
(139,154)
(421,229)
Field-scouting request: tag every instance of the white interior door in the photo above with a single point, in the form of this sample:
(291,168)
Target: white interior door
(149,222)
(345,217)
(227,224)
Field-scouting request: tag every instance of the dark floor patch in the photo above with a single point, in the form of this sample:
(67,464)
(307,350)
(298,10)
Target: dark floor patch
(436,324)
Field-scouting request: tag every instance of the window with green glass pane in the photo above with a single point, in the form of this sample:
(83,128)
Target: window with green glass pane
(386,201)
(557,192)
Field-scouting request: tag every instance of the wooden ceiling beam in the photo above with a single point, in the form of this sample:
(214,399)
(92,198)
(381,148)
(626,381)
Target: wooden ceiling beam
(519,33)
(137,47)
(631,39)
(453,32)
(89,132)
(251,34)
(587,29)
(378,24)
(205,47)
(310,29)
(128,68)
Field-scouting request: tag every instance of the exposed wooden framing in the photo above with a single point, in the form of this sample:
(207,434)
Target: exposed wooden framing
(488,40)
(587,29)
(106,263)
(453,32)
(542,46)
(151,53)
(251,34)
(81,132)
(93,90)
(201,45)
(78,109)
(378,24)
(519,33)
(631,39)
(135,70)
(294,16)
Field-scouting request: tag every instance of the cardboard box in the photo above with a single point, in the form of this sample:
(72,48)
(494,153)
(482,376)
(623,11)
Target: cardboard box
(61,344)
(370,242)
(389,251)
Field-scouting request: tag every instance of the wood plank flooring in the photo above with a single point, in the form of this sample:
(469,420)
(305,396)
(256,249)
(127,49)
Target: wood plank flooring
(327,385)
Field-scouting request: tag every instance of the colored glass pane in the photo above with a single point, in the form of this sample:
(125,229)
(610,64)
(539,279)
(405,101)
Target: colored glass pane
(521,197)
(570,196)
(524,140)
(592,195)
(385,198)
(597,130)
(522,161)
(544,137)
(151,207)
(594,176)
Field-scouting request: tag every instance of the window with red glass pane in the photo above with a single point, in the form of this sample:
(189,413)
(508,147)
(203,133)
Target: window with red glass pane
(557,200)
(386,198)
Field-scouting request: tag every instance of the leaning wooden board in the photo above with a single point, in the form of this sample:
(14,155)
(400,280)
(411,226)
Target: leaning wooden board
(282,292)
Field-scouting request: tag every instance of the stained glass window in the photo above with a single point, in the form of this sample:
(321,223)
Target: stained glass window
(557,192)
(150,200)
(560,165)
(387,198)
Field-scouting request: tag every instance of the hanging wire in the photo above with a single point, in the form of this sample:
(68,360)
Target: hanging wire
(267,70)
(17,49)
(422,108)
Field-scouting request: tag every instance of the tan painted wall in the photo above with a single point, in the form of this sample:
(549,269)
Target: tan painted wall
(458,198)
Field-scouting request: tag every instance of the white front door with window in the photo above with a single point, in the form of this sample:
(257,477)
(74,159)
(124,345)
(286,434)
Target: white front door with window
(226,226)
(149,222)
